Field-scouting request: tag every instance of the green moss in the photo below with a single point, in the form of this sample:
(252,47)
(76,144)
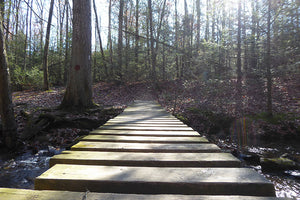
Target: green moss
(182,118)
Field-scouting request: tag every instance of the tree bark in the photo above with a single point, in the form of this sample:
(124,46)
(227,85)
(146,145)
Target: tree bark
(78,94)
(9,133)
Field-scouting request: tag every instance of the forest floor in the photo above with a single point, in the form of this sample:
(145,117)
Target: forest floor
(208,107)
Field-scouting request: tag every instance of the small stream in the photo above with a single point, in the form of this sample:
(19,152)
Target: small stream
(21,171)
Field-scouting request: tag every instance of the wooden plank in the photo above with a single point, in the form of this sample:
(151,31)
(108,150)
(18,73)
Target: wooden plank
(145,133)
(23,194)
(122,119)
(145,124)
(156,128)
(144,139)
(136,121)
(155,180)
(146,159)
(145,147)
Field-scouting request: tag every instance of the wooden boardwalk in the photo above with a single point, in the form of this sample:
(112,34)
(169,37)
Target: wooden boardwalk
(145,153)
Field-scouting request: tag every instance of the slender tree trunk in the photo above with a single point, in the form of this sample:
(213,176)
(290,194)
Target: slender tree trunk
(198,9)
(268,63)
(164,59)
(213,24)
(120,40)
(184,39)
(245,39)
(66,63)
(136,51)
(148,59)
(46,48)
(126,53)
(8,21)
(95,57)
(79,89)
(110,40)
(61,24)
(100,40)
(9,132)
(26,39)
(42,25)
(153,71)
(176,41)
(30,35)
(239,60)
(16,49)
(207,20)
(253,59)
(159,32)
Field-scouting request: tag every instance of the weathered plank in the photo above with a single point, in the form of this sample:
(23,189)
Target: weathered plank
(146,159)
(155,180)
(144,139)
(145,147)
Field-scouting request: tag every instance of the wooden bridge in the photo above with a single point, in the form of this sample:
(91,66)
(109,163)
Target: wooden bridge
(145,153)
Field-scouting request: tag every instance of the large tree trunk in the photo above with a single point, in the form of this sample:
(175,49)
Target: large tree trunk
(46,48)
(6,108)
(79,89)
